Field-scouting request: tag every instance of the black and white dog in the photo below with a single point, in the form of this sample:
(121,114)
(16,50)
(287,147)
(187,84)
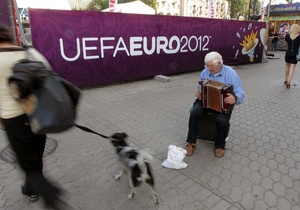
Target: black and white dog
(134,164)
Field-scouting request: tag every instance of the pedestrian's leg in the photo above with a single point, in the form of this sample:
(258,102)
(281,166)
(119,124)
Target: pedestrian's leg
(35,168)
(223,126)
(287,71)
(291,72)
(290,75)
(196,114)
(29,149)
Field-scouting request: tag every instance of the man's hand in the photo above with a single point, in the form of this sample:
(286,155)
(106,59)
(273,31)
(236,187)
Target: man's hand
(198,95)
(230,99)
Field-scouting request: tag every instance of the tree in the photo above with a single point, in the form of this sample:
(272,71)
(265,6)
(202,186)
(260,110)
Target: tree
(97,5)
(237,8)
(254,10)
(250,9)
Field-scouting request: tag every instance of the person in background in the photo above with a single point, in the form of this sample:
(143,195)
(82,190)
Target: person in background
(274,41)
(28,147)
(214,70)
(293,42)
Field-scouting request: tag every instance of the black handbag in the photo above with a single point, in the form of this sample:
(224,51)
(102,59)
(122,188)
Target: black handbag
(298,55)
(56,111)
(56,99)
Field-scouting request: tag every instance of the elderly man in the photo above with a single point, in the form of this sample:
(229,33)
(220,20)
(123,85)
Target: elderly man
(214,70)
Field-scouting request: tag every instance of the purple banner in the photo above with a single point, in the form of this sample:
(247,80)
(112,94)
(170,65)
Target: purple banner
(5,13)
(92,48)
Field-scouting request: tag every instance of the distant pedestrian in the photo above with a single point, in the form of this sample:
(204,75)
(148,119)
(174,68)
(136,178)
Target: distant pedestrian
(28,147)
(274,41)
(293,41)
(214,70)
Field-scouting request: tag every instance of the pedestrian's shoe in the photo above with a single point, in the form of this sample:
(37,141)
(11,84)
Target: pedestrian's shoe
(220,152)
(190,147)
(33,198)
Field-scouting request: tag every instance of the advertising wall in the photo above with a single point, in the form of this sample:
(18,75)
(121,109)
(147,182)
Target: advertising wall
(94,48)
(284,8)
(282,16)
(8,17)
(5,13)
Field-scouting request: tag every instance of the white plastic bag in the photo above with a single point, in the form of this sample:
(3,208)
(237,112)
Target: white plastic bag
(175,158)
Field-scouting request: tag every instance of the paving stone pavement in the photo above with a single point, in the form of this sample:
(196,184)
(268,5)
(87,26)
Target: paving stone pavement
(260,169)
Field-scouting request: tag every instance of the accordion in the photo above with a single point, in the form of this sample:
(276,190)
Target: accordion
(213,94)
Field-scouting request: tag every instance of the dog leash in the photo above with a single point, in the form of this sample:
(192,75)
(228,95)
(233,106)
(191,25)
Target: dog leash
(86,129)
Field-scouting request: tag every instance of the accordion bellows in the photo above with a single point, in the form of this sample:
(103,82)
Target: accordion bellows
(213,94)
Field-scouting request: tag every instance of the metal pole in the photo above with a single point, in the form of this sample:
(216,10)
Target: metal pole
(21,29)
(249,10)
(13,22)
(181,12)
(267,22)
(267,35)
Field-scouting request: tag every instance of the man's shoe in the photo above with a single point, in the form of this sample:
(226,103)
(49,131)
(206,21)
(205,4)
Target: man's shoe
(220,152)
(33,198)
(190,147)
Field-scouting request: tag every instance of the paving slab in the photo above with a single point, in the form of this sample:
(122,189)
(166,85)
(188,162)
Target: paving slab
(260,169)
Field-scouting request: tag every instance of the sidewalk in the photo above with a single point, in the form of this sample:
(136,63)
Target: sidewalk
(260,169)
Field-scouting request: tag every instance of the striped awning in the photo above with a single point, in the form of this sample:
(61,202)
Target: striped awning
(292,17)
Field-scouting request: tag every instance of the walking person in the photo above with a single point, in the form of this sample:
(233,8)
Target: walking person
(28,147)
(293,41)
(274,41)
(214,70)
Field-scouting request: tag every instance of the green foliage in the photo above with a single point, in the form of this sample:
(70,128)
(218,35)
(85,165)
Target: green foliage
(99,5)
(237,8)
(76,8)
(255,7)
(247,8)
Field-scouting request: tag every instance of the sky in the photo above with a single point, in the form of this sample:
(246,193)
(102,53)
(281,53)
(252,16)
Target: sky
(44,4)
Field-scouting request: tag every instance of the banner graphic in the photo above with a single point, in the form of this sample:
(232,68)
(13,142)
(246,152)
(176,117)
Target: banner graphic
(113,5)
(262,11)
(5,12)
(93,48)
(212,9)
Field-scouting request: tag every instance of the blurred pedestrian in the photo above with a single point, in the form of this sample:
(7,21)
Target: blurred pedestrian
(293,41)
(28,147)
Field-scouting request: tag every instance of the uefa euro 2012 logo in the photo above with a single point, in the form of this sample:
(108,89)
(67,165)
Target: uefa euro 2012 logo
(249,43)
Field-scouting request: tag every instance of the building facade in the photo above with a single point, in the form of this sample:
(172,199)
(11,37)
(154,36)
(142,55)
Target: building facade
(188,8)
(282,17)
(193,8)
